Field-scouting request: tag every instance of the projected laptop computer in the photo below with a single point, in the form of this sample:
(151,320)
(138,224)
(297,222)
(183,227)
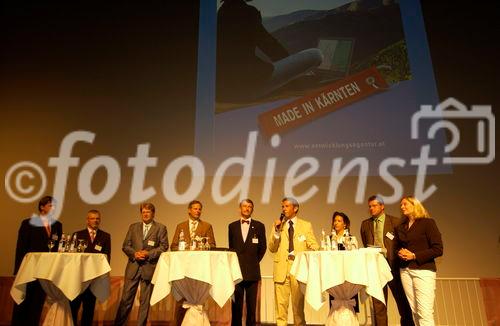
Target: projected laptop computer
(337,54)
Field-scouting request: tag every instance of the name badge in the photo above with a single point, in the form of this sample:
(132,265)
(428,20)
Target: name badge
(151,243)
(255,240)
(55,237)
(389,235)
(98,248)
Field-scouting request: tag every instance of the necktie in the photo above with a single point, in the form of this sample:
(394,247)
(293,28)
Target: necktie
(245,221)
(290,236)
(378,239)
(146,229)
(92,235)
(193,229)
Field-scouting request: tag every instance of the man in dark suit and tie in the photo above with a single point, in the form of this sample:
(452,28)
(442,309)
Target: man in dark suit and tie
(34,235)
(98,242)
(144,243)
(378,230)
(247,237)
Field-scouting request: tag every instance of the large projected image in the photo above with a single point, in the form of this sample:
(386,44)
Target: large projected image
(331,79)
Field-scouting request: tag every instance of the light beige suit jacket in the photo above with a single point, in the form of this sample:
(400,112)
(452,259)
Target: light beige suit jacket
(303,239)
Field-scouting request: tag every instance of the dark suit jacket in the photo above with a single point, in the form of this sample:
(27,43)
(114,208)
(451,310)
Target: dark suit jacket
(155,243)
(102,239)
(204,229)
(423,239)
(390,225)
(32,237)
(249,253)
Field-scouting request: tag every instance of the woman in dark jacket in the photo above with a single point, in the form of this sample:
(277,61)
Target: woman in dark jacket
(418,244)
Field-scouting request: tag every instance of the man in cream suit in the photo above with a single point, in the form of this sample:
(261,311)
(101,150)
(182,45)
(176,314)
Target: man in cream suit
(144,243)
(290,235)
(193,227)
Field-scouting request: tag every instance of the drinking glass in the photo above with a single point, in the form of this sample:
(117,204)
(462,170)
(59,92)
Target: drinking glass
(50,244)
(84,245)
(79,248)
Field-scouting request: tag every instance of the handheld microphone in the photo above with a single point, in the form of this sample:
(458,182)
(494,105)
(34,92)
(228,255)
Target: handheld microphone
(282,217)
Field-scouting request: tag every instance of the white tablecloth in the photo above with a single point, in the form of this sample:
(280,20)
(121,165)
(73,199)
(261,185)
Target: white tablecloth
(194,276)
(342,274)
(63,276)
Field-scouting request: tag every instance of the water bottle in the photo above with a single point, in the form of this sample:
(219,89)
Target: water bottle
(194,244)
(333,241)
(72,246)
(182,241)
(323,242)
(62,243)
(347,240)
(328,243)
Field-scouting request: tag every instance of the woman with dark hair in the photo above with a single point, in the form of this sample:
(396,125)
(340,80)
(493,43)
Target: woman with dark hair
(340,228)
(418,243)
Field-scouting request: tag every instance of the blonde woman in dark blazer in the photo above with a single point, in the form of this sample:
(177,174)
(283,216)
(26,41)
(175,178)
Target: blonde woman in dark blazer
(418,244)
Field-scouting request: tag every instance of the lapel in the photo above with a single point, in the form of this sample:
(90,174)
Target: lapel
(371,230)
(86,236)
(387,227)
(187,235)
(250,233)
(238,233)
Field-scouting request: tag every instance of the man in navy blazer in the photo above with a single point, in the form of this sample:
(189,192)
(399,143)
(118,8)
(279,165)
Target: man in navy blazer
(33,236)
(144,243)
(247,237)
(98,242)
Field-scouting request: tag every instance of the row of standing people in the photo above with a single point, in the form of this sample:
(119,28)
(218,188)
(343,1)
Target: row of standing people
(410,246)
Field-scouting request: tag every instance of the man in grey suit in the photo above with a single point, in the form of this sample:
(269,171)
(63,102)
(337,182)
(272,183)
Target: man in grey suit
(144,243)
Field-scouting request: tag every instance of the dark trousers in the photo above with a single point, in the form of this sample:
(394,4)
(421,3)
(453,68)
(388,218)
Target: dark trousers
(28,313)
(127,300)
(248,290)
(380,309)
(87,299)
